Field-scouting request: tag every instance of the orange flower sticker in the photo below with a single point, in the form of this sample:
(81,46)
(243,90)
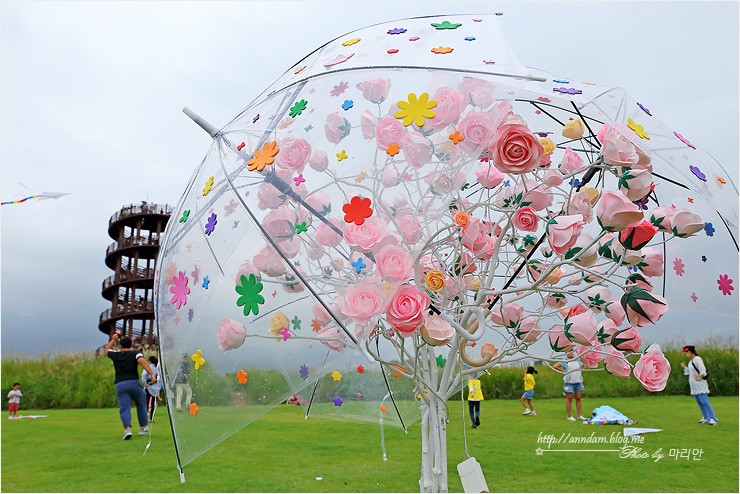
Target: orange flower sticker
(194,409)
(392,149)
(383,408)
(242,376)
(357,209)
(299,70)
(462,218)
(456,137)
(721,180)
(263,157)
(442,50)
(397,371)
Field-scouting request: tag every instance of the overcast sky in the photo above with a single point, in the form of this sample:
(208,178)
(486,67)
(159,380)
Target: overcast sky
(91,97)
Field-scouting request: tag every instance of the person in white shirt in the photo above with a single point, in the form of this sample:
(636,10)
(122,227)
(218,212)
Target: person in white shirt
(697,373)
(572,384)
(152,388)
(14,401)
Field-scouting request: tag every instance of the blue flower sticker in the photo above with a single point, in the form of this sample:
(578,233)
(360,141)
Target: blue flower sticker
(709,229)
(359,265)
(206,282)
(348,103)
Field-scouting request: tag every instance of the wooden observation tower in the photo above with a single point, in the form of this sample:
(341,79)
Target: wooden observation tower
(136,229)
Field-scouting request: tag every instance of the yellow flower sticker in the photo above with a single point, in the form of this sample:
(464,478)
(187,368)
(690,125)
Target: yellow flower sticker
(638,129)
(342,155)
(351,42)
(208,186)
(336,375)
(198,359)
(416,109)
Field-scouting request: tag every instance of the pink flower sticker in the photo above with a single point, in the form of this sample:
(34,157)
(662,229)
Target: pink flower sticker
(684,140)
(337,60)
(725,284)
(179,289)
(678,266)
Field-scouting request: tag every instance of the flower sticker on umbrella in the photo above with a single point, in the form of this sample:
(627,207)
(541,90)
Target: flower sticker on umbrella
(416,109)
(303,372)
(208,186)
(184,216)
(337,401)
(357,210)
(242,376)
(298,108)
(249,291)
(285,333)
(179,289)
(725,284)
(678,266)
(194,409)
(197,357)
(263,157)
(211,224)
(336,375)
(339,88)
(360,369)
(446,25)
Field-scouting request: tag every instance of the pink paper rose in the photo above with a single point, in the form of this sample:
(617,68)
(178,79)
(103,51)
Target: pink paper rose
(514,149)
(616,212)
(605,330)
(556,300)
(268,196)
(269,262)
(563,231)
(389,131)
(685,223)
(581,328)
(318,161)
(410,228)
(662,217)
(231,334)
(474,236)
(637,236)
(389,177)
(580,204)
(552,178)
(584,251)
(653,369)
(333,338)
(364,301)
(488,349)
(643,308)
(450,104)
(478,128)
(327,236)
(652,262)
(375,90)
(479,92)
(617,150)
(366,236)
(558,341)
(336,128)
(417,149)
(590,356)
(246,269)
(436,330)
(535,194)
(394,264)
(368,122)
(627,340)
(571,162)
(293,155)
(489,177)
(525,219)
(615,312)
(616,364)
(407,309)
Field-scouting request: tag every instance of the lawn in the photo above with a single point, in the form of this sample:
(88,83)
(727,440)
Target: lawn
(82,451)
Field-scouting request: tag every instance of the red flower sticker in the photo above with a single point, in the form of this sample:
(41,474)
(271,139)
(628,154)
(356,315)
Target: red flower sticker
(725,284)
(357,210)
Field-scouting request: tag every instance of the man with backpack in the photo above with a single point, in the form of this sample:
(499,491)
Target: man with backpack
(698,375)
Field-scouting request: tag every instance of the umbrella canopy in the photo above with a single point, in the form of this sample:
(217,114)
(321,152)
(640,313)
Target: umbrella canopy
(412,194)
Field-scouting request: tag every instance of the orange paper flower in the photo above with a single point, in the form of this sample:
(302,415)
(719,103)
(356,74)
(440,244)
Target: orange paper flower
(263,157)
(392,149)
(456,137)
(194,409)
(462,218)
(242,376)
(435,280)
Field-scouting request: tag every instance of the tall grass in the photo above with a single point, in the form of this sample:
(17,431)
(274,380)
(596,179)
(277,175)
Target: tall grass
(82,380)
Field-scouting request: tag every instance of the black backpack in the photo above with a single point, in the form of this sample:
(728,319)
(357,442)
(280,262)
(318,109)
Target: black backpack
(706,376)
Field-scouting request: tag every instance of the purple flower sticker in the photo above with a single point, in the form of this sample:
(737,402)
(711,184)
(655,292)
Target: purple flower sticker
(696,171)
(257,117)
(684,140)
(644,109)
(337,401)
(211,224)
(190,315)
(327,272)
(303,372)
(567,90)
(397,30)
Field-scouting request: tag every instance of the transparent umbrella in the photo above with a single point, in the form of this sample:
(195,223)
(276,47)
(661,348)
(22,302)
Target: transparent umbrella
(411,198)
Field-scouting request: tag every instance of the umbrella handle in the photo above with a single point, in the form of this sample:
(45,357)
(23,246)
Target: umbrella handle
(212,131)
(477,334)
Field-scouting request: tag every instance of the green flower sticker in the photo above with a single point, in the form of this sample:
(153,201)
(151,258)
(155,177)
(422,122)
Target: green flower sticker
(446,25)
(249,291)
(298,108)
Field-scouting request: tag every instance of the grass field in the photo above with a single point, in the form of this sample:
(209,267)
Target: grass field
(82,451)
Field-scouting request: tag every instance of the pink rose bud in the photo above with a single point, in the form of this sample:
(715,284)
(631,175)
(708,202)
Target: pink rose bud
(489,177)
(571,162)
(368,122)
(534,194)
(636,184)
(627,340)
(389,131)
(318,161)
(653,369)
(636,237)
(581,328)
(436,330)
(488,349)
(450,105)
(556,300)
(527,330)
(605,330)
(563,231)
(617,150)
(616,212)
(507,315)
(514,149)
(552,178)
(332,337)
(615,312)
(616,364)
(597,296)
(662,216)
(584,252)
(590,356)
(336,128)
(231,334)
(643,308)
(558,341)
(652,262)
(685,223)
(407,309)
(525,219)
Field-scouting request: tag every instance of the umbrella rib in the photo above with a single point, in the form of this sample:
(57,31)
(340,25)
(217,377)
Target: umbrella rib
(316,386)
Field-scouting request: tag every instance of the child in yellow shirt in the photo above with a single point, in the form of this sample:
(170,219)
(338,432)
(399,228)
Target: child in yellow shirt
(528,395)
(475,396)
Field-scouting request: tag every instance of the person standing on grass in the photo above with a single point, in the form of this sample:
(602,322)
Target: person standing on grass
(528,395)
(128,387)
(14,401)
(182,384)
(572,384)
(697,373)
(152,388)
(475,396)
